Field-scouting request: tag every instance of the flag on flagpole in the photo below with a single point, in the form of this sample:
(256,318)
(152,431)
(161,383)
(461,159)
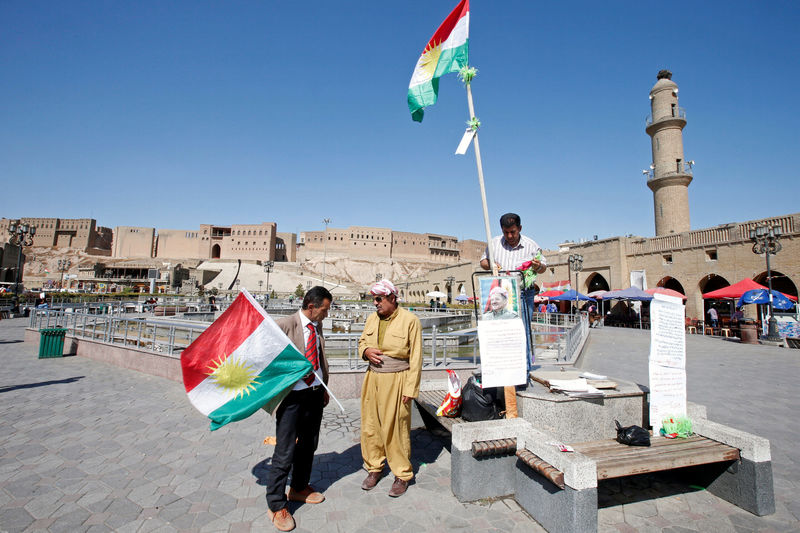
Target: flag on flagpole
(447,51)
(242,362)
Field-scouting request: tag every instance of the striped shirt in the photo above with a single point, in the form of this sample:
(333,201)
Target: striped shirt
(511,258)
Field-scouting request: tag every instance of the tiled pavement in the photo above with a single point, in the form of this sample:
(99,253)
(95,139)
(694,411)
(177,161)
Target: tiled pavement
(86,446)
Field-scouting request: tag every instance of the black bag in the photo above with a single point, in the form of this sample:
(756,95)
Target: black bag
(632,435)
(478,404)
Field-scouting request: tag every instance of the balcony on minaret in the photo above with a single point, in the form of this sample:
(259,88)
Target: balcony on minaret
(671,114)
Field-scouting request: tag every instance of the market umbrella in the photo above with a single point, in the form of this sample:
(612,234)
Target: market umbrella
(436,294)
(597,294)
(664,290)
(631,293)
(462,298)
(571,295)
(761,296)
(734,291)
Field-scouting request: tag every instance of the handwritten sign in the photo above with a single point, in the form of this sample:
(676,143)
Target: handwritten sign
(667,359)
(502,344)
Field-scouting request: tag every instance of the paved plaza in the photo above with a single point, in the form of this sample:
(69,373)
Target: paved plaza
(87,446)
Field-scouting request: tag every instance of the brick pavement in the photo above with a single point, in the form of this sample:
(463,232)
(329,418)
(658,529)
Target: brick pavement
(87,446)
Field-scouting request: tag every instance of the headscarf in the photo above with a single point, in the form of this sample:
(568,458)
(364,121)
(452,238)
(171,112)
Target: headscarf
(500,290)
(383,287)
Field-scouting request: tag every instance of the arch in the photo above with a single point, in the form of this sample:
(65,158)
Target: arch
(596,282)
(780,282)
(215,251)
(668,282)
(711,282)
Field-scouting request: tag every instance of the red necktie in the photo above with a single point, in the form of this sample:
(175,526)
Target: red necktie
(311,353)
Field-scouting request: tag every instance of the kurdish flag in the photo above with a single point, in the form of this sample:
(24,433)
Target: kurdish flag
(242,362)
(447,51)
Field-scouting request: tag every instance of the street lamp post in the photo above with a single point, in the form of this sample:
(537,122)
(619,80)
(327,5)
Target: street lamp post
(21,235)
(325,221)
(765,241)
(450,280)
(268,268)
(576,264)
(63,264)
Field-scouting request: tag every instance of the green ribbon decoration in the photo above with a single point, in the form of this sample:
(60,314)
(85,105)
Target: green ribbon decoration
(474,123)
(467,73)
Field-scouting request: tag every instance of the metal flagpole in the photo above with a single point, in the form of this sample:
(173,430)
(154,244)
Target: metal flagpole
(467,74)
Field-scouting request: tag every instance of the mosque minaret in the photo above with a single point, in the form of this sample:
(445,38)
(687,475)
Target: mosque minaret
(670,174)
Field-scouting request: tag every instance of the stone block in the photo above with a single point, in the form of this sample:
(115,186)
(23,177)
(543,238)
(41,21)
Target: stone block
(751,447)
(580,472)
(744,483)
(467,433)
(483,477)
(557,510)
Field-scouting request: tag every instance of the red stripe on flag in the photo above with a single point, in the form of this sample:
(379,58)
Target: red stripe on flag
(221,338)
(446,28)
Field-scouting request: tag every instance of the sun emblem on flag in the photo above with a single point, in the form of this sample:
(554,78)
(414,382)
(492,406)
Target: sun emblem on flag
(430,58)
(233,375)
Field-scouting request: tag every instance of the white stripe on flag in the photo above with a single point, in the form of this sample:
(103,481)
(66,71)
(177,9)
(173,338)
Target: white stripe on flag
(259,349)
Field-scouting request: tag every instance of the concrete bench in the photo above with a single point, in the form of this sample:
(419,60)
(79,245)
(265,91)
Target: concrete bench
(559,489)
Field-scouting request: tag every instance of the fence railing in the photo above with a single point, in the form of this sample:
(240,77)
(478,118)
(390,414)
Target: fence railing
(170,338)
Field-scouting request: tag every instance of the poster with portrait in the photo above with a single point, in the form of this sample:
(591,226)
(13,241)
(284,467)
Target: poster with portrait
(501,332)
(498,298)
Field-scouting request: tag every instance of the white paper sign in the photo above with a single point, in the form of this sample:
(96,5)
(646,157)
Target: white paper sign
(465,140)
(667,360)
(502,345)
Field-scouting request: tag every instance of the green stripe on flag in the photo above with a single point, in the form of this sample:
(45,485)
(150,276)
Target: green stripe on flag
(425,94)
(274,383)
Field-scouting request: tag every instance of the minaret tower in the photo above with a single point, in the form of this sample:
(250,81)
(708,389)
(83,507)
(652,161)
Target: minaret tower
(671,174)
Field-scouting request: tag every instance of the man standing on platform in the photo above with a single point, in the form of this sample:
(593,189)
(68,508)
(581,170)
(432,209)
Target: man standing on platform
(298,417)
(510,250)
(392,343)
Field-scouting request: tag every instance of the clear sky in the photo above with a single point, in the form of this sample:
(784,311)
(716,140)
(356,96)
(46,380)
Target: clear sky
(172,114)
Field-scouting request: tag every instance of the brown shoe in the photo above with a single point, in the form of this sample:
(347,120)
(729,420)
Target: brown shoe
(399,488)
(282,520)
(307,495)
(371,481)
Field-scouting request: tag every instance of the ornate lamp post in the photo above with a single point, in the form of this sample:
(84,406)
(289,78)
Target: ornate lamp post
(450,280)
(63,264)
(576,264)
(21,235)
(765,241)
(268,268)
(325,221)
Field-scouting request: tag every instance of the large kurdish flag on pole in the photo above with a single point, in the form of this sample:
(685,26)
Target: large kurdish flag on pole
(447,51)
(242,362)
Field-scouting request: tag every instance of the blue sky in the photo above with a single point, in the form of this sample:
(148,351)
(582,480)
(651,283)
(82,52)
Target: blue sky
(173,114)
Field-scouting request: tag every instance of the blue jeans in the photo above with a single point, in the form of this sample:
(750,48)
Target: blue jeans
(528,308)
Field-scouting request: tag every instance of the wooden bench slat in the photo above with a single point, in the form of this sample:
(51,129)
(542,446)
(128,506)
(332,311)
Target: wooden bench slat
(666,461)
(614,448)
(655,454)
(430,401)
(611,443)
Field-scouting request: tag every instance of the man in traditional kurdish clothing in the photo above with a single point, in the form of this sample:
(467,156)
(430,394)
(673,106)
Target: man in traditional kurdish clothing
(392,343)
(298,418)
(510,251)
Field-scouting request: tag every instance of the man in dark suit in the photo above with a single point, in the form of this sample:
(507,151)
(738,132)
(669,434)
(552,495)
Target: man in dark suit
(298,418)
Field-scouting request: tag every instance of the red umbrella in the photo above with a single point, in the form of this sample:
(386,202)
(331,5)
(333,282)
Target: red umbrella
(734,291)
(668,292)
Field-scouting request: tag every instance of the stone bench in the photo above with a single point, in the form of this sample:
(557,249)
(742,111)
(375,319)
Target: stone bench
(559,489)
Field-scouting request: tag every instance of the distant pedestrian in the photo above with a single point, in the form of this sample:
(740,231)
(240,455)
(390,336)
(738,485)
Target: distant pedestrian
(713,317)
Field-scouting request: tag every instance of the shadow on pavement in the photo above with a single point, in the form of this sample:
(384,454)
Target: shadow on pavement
(644,487)
(10,388)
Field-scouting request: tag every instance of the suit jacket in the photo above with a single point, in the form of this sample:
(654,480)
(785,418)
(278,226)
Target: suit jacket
(293,327)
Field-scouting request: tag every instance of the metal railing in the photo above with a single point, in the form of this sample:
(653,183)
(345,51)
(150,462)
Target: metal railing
(563,334)
(678,112)
(170,338)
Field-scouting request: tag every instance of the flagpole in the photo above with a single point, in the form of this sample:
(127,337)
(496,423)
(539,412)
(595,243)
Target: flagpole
(480,181)
(467,74)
